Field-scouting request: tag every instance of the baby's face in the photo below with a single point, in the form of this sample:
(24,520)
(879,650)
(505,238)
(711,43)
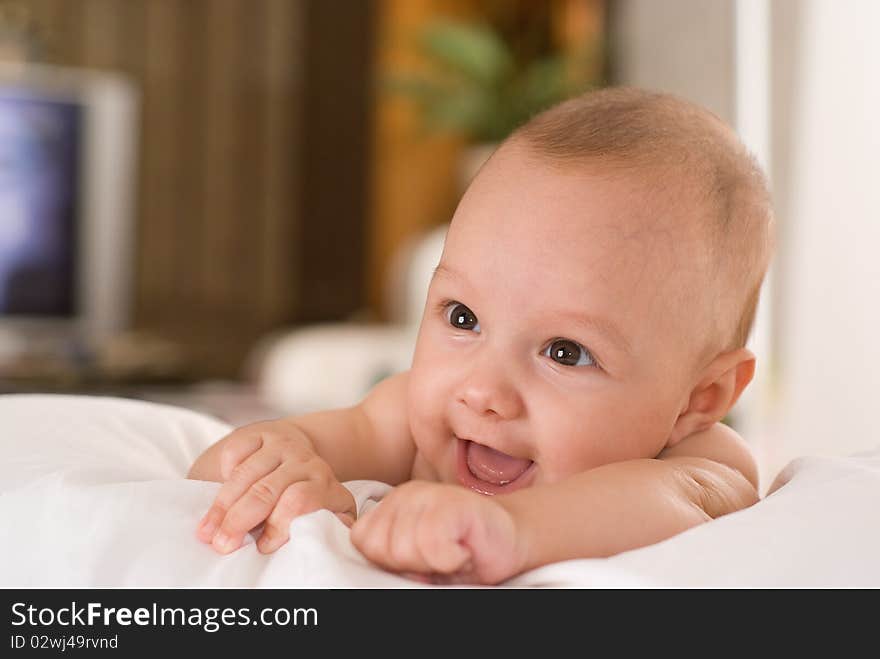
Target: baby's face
(554,334)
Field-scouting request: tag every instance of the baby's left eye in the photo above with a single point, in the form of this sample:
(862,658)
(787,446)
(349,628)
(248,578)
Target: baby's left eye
(569,353)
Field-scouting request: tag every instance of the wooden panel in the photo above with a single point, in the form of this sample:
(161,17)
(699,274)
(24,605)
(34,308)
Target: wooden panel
(336,149)
(219,263)
(100,32)
(251,195)
(160,164)
(281,183)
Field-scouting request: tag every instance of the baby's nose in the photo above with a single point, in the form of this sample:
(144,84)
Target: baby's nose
(486,391)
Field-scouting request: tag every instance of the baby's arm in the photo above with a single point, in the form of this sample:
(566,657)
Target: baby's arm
(720,444)
(631,504)
(274,471)
(462,536)
(369,440)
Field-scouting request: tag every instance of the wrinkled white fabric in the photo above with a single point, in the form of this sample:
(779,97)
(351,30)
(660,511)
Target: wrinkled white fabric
(92,493)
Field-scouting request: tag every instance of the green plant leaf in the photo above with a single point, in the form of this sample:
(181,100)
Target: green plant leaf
(465,111)
(419,89)
(474,51)
(473,86)
(543,83)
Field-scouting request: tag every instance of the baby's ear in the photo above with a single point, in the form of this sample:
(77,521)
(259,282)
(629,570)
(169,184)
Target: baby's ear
(718,388)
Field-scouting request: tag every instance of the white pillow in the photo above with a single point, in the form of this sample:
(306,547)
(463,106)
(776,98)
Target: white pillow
(92,493)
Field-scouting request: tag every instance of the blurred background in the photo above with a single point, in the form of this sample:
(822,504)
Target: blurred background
(235,205)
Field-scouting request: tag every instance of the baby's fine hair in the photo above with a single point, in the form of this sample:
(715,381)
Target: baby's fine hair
(681,145)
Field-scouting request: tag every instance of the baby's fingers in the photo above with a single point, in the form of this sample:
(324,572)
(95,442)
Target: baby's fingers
(244,476)
(258,503)
(237,448)
(302,498)
(371,534)
(413,534)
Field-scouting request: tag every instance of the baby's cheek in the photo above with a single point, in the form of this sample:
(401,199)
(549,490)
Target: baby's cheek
(572,447)
(426,410)
(429,380)
(423,401)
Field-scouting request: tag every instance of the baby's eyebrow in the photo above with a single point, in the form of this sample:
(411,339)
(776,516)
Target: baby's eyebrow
(601,326)
(443,270)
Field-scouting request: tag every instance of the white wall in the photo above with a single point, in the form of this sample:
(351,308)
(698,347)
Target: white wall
(681,46)
(822,371)
(829,190)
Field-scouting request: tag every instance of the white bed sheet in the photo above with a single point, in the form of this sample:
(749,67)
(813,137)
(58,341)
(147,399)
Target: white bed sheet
(93,494)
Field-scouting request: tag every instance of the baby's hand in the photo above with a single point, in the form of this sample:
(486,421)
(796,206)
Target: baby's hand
(441,533)
(270,473)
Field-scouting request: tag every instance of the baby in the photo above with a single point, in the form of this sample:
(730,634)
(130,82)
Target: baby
(583,336)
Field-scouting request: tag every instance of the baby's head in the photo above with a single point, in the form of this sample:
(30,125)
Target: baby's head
(595,293)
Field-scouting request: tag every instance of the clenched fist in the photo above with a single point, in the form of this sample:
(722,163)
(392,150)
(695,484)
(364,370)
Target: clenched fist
(441,533)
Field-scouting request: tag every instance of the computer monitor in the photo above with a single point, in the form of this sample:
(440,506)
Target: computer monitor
(68,142)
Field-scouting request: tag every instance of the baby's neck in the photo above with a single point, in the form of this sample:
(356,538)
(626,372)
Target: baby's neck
(422,470)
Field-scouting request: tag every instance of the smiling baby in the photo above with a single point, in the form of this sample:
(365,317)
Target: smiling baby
(584,334)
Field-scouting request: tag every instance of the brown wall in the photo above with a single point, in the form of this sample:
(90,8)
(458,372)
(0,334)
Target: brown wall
(251,184)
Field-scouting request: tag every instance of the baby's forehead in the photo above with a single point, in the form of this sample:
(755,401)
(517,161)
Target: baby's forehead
(585,231)
(625,209)
(645,186)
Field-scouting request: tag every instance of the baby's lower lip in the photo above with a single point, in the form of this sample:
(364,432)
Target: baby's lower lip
(468,479)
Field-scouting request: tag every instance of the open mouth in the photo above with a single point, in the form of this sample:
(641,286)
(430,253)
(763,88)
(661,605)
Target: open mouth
(488,471)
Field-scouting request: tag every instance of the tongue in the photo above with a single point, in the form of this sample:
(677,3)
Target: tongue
(494,466)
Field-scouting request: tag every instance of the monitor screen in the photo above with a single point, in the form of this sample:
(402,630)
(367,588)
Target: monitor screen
(40,139)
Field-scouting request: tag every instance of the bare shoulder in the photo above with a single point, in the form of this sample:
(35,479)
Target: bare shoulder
(385,409)
(717,468)
(721,444)
(388,395)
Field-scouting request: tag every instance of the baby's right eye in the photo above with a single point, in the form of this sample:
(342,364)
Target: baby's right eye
(460,317)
